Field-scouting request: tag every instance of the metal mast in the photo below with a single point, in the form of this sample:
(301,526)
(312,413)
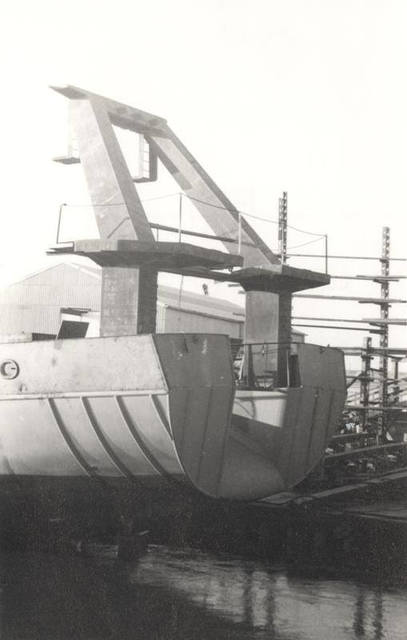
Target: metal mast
(365,379)
(282,227)
(384,335)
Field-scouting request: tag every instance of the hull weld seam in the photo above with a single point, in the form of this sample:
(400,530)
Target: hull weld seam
(89,470)
(102,439)
(138,438)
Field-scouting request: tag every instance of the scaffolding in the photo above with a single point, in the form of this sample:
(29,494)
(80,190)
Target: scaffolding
(378,398)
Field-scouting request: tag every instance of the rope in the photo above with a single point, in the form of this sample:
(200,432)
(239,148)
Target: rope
(303,244)
(208,204)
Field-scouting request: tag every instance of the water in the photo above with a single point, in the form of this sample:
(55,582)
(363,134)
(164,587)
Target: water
(177,595)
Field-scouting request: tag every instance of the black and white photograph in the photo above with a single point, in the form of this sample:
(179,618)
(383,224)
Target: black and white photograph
(203,345)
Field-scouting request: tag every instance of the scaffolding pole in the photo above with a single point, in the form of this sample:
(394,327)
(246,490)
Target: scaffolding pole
(384,336)
(282,227)
(365,378)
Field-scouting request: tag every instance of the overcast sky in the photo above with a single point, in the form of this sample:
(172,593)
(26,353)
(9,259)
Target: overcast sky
(307,96)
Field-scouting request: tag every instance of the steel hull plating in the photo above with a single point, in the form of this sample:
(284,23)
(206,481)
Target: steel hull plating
(277,437)
(127,407)
(159,408)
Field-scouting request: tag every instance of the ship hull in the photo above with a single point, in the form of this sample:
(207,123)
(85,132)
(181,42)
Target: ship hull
(111,408)
(150,411)
(277,437)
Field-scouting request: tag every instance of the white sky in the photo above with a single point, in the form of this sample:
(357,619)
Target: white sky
(307,96)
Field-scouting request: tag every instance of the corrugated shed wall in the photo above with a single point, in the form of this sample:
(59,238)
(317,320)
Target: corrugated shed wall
(33,305)
(175,320)
(160,318)
(60,286)
(199,302)
(16,319)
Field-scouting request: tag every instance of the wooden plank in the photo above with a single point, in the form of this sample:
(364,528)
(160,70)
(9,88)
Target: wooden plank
(375,407)
(322,255)
(385,321)
(326,326)
(373,278)
(375,350)
(357,298)
(348,437)
(327,319)
(364,452)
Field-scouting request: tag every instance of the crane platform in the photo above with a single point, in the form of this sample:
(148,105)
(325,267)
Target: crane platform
(124,252)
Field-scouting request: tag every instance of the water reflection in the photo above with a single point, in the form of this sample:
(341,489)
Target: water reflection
(242,591)
(359,616)
(264,597)
(177,595)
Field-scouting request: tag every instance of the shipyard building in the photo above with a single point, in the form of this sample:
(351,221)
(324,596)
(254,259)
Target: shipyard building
(37,305)
(40,302)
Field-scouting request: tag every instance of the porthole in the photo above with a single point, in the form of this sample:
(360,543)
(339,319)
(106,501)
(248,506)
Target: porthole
(9,369)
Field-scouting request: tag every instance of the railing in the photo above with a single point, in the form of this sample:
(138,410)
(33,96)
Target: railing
(266,365)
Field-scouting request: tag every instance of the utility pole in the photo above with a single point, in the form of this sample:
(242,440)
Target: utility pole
(282,227)
(384,335)
(365,379)
(395,382)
